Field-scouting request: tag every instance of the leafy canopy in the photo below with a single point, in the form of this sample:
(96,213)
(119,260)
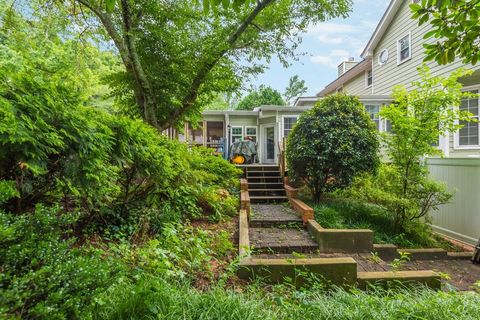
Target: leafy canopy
(331,144)
(178,56)
(455,28)
(261,97)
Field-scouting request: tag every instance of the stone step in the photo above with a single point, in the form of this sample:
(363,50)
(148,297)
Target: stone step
(281,240)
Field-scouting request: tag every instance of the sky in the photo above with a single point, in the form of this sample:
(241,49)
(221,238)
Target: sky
(326,45)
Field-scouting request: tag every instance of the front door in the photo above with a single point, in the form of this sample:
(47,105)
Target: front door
(269,144)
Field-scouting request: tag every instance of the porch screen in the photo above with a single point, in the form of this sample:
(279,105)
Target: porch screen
(195,135)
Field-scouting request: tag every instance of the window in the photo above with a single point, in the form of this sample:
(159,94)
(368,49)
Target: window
(288,123)
(383,57)
(468,135)
(237,134)
(252,133)
(372,110)
(388,126)
(368,78)
(404,49)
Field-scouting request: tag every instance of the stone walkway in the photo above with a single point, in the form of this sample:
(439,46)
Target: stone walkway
(280,240)
(275,228)
(268,215)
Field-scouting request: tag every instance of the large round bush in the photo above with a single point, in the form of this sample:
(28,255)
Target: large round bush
(332,143)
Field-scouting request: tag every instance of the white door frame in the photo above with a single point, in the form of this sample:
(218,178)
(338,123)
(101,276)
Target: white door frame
(263,143)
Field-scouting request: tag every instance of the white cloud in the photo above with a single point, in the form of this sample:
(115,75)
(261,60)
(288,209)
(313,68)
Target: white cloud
(332,59)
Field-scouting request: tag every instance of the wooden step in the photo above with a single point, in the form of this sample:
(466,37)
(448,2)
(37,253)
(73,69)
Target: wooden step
(267,199)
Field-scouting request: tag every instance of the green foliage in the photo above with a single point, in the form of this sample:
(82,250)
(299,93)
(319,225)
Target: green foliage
(46,273)
(454,26)
(263,96)
(406,199)
(155,298)
(418,117)
(296,87)
(54,148)
(180,252)
(331,144)
(338,212)
(179,55)
(42,276)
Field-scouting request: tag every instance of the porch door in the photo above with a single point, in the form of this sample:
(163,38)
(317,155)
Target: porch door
(269,143)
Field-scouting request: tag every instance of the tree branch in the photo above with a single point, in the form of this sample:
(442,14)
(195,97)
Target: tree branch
(208,65)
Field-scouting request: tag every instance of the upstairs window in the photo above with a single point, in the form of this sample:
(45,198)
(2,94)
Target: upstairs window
(404,49)
(468,135)
(288,123)
(373,110)
(368,78)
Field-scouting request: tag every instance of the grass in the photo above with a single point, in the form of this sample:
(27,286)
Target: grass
(339,213)
(153,298)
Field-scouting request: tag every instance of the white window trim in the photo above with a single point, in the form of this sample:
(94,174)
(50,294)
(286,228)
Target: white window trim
(231,132)
(367,86)
(409,34)
(381,126)
(283,122)
(256,132)
(456,135)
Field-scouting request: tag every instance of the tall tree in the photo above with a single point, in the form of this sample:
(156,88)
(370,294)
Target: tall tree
(455,26)
(261,97)
(178,54)
(296,87)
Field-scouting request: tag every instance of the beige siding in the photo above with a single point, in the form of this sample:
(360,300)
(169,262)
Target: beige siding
(390,74)
(243,120)
(357,87)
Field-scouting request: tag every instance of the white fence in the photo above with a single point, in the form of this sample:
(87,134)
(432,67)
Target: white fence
(459,219)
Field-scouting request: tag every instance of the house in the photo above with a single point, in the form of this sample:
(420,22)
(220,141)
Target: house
(391,57)
(267,126)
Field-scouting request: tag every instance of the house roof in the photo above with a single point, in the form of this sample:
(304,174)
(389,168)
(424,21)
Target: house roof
(347,76)
(300,101)
(256,111)
(382,26)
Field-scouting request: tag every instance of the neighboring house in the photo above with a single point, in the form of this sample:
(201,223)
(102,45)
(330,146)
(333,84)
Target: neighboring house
(266,125)
(391,57)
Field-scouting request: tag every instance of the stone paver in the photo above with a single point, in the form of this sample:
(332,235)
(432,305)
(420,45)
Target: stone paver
(281,240)
(267,215)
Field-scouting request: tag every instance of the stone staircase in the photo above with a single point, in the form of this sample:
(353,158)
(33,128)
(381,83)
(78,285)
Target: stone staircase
(265,184)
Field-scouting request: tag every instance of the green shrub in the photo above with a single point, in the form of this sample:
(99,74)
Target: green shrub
(344,213)
(42,276)
(331,144)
